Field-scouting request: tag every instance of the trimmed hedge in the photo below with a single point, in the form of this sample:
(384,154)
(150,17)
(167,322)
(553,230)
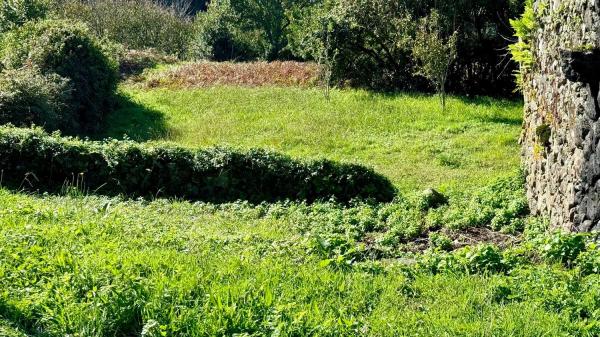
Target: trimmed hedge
(34,160)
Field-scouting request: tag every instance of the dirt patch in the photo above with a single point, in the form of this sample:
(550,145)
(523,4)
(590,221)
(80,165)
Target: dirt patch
(475,236)
(459,239)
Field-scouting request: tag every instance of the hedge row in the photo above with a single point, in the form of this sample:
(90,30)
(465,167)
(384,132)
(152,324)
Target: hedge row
(34,160)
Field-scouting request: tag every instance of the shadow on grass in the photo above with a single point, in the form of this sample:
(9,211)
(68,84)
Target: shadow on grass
(491,102)
(503,120)
(17,319)
(127,322)
(488,100)
(132,120)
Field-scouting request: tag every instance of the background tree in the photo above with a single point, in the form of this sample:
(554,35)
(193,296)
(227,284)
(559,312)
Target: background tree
(434,53)
(371,37)
(14,13)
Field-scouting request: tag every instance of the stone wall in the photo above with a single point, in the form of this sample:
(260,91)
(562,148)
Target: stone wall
(561,134)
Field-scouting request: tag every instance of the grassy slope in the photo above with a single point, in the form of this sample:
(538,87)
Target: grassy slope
(406,137)
(87,266)
(101,267)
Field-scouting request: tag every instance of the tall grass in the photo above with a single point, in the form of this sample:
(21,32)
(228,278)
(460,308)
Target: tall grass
(253,74)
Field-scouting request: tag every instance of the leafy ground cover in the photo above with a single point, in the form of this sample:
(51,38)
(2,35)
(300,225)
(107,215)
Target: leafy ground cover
(405,137)
(89,266)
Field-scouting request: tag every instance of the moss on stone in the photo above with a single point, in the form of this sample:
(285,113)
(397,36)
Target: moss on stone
(543,134)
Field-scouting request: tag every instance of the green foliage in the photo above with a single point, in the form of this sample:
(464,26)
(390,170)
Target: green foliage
(403,225)
(113,167)
(484,259)
(589,260)
(15,13)
(369,41)
(94,266)
(244,29)
(564,248)
(68,50)
(501,205)
(440,241)
(270,19)
(219,35)
(521,52)
(28,97)
(137,24)
(372,41)
(434,53)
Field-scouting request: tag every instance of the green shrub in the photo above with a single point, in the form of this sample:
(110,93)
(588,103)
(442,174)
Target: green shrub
(68,50)
(371,41)
(403,225)
(15,13)
(46,162)
(28,97)
(499,206)
(220,36)
(137,24)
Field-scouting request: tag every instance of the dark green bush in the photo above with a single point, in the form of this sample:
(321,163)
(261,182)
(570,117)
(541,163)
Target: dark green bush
(68,50)
(32,159)
(137,24)
(220,35)
(370,41)
(15,13)
(28,97)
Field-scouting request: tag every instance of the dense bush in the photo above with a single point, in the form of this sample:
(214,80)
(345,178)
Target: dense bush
(28,97)
(564,248)
(246,29)
(370,41)
(219,35)
(137,24)
(67,49)
(15,13)
(32,159)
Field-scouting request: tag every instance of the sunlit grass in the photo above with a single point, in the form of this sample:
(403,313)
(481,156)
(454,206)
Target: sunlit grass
(97,267)
(405,137)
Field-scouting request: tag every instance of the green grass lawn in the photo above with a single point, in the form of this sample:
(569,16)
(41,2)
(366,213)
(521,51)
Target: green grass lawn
(406,137)
(88,266)
(81,265)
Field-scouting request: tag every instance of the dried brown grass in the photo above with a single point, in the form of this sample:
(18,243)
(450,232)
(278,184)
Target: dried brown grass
(254,74)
